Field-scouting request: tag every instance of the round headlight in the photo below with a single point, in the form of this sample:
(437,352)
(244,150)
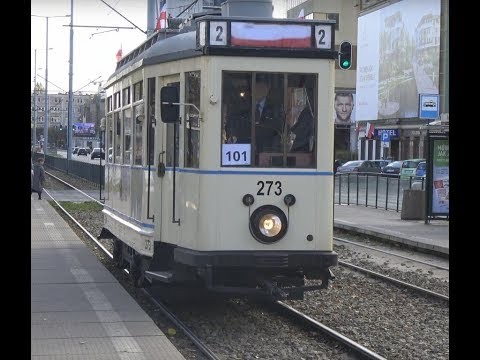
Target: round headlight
(268,224)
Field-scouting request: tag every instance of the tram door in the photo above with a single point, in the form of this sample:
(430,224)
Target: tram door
(167,156)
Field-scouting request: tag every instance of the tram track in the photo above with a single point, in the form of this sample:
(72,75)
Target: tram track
(305,315)
(206,351)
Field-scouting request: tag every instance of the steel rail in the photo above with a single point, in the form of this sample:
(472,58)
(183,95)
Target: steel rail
(330,332)
(393,280)
(390,253)
(73,187)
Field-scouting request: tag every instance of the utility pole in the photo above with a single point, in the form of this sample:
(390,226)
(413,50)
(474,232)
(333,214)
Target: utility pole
(70,94)
(35,104)
(45,122)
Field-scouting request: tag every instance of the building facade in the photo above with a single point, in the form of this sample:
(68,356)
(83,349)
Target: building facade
(400,54)
(87,108)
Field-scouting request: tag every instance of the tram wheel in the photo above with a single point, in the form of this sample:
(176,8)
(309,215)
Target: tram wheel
(118,260)
(136,271)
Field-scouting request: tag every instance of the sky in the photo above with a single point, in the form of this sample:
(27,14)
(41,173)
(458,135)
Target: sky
(94,49)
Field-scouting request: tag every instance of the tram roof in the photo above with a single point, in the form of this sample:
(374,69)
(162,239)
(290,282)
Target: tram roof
(157,49)
(173,44)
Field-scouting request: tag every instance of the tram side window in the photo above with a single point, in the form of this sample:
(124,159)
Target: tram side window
(172,141)
(109,132)
(269,120)
(150,117)
(118,138)
(127,136)
(138,140)
(192,126)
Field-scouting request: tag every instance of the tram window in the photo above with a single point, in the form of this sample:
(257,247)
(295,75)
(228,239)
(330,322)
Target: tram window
(283,130)
(192,126)
(150,117)
(126,96)
(109,134)
(138,140)
(118,138)
(127,136)
(172,141)
(138,91)
(116,100)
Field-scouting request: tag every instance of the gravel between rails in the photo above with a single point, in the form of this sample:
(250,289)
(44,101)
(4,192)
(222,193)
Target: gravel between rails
(396,323)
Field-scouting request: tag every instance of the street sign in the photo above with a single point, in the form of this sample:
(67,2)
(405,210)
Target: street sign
(385,136)
(429,106)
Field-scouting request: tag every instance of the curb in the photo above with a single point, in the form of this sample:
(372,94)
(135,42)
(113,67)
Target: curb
(433,249)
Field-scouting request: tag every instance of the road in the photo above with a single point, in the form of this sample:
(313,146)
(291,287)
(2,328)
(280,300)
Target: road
(75,157)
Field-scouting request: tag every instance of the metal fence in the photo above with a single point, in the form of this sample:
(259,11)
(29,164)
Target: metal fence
(375,190)
(88,171)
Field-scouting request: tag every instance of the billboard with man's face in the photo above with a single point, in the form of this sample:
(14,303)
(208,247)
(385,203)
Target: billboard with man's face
(84,129)
(344,108)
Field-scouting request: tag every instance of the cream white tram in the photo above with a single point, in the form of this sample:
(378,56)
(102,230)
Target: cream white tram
(200,188)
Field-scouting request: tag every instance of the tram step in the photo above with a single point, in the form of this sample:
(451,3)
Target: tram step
(163,276)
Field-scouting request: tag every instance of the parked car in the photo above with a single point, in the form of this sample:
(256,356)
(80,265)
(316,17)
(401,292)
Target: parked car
(409,167)
(336,165)
(382,163)
(421,171)
(82,151)
(393,168)
(359,166)
(97,153)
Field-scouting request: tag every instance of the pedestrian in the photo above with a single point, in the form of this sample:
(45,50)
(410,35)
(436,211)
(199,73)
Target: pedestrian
(38,178)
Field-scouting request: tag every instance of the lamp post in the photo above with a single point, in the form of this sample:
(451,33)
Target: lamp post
(70,93)
(102,132)
(35,104)
(45,123)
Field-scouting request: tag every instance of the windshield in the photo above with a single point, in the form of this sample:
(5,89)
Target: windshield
(269,119)
(352,163)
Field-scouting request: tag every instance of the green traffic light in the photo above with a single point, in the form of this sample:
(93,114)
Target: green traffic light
(346,63)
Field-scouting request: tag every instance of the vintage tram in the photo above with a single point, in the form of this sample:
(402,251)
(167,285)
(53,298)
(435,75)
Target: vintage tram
(221,139)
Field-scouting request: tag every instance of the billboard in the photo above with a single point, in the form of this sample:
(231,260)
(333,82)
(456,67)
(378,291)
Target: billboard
(398,50)
(344,108)
(84,129)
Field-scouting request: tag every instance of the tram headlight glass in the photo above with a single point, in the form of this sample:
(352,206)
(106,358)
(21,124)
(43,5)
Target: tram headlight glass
(268,224)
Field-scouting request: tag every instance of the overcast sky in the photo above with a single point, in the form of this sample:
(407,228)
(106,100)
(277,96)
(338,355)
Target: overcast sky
(94,49)
(93,52)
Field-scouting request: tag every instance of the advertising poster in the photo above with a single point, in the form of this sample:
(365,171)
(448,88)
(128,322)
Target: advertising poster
(440,178)
(398,59)
(344,108)
(84,129)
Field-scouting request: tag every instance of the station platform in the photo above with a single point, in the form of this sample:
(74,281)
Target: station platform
(78,309)
(387,225)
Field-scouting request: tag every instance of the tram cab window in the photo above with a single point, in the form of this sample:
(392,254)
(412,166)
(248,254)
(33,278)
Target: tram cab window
(269,120)
(192,124)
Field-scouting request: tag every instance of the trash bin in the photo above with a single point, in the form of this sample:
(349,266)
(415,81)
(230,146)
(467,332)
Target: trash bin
(413,204)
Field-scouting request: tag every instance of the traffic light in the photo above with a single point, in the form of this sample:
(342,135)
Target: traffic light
(345,55)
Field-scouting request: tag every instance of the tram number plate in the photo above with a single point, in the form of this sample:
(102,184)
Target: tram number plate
(218,33)
(148,245)
(323,36)
(269,187)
